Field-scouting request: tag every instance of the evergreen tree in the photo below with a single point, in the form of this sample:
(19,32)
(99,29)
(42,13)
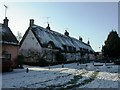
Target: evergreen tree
(111,49)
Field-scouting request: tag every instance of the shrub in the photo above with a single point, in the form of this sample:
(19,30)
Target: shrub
(60,58)
(20,61)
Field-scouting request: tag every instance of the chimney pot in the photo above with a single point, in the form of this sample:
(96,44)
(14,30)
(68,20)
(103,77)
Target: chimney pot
(31,22)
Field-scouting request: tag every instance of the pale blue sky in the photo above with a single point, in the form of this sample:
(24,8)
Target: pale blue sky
(90,20)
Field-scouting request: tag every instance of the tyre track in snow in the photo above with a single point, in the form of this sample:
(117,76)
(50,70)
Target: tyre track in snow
(104,80)
(61,75)
(43,82)
(82,80)
(55,72)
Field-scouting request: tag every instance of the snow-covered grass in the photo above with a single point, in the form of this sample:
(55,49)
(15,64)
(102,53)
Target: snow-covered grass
(71,76)
(104,80)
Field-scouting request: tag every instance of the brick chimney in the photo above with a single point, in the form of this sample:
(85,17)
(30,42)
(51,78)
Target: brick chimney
(5,22)
(31,22)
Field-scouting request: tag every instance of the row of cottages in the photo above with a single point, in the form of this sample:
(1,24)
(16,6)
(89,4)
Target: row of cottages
(44,43)
(9,45)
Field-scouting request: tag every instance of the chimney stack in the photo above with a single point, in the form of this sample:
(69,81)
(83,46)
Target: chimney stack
(80,38)
(48,27)
(88,42)
(66,33)
(5,22)
(31,22)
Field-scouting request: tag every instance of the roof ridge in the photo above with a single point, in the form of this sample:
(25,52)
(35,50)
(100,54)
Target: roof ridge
(55,32)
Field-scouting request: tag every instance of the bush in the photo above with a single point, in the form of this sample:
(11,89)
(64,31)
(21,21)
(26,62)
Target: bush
(20,61)
(60,58)
(117,61)
(42,62)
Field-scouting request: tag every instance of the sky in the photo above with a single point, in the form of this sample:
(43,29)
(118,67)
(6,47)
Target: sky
(91,20)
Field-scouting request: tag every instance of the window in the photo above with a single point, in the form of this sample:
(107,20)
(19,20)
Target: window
(33,38)
(5,56)
(65,47)
(74,49)
(50,46)
(70,48)
(80,49)
(87,51)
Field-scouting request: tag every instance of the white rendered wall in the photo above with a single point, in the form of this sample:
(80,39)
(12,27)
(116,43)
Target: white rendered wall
(30,43)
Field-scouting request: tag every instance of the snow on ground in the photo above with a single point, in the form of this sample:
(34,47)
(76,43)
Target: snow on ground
(71,76)
(103,80)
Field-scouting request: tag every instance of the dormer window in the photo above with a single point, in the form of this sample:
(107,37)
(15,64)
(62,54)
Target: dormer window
(74,49)
(65,47)
(50,46)
(70,48)
(80,49)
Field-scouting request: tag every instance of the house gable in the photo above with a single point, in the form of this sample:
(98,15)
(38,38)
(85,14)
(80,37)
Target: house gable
(7,36)
(30,42)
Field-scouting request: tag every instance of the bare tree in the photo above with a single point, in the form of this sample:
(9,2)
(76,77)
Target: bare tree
(19,36)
